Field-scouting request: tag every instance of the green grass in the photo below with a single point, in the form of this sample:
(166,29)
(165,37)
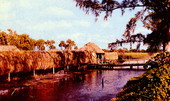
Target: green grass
(136,55)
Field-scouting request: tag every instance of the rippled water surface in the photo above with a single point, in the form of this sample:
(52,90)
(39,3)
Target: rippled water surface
(92,85)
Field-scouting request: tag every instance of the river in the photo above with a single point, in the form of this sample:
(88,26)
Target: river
(91,85)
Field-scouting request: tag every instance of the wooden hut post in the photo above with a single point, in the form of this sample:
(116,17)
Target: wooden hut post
(9,77)
(34,72)
(131,66)
(53,70)
(68,68)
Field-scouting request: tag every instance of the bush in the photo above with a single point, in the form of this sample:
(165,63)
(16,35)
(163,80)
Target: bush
(154,85)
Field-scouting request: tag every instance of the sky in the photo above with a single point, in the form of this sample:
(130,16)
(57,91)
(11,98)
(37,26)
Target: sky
(61,20)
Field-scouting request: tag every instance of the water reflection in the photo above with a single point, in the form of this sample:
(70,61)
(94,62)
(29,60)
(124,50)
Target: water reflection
(96,85)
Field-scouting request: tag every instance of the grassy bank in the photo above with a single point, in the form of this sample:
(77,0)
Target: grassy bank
(154,85)
(136,55)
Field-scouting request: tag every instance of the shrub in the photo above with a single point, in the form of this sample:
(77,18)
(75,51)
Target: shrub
(153,85)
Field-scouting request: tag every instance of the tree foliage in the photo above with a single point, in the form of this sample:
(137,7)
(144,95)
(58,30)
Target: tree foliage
(62,44)
(40,44)
(67,45)
(108,6)
(160,31)
(50,44)
(23,41)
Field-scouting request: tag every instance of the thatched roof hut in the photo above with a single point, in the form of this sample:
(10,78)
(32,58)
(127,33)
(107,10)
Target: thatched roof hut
(95,51)
(99,53)
(8,48)
(91,47)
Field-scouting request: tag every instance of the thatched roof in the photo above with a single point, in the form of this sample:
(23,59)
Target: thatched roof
(8,48)
(91,47)
(54,50)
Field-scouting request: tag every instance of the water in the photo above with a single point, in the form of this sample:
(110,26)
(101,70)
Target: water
(92,85)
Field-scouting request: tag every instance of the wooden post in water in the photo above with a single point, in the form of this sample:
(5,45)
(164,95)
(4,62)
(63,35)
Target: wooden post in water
(137,65)
(9,77)
(131,67)
(53,70)
(102,82)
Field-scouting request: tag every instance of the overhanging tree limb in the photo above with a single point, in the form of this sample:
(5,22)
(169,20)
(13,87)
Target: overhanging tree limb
(160,7)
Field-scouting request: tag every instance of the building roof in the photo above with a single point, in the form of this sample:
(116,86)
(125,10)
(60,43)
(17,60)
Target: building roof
(54,50)
(91,47)
(8,48)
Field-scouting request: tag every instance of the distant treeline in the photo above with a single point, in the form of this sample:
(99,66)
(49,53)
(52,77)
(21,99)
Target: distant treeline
(132,50)
(24,42)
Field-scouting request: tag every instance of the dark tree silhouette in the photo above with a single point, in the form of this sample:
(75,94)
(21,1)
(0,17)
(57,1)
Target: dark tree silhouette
(160,35)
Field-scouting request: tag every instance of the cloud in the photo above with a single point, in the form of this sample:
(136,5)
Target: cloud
(63,24)
(5,6)
(104,24)
(82,23)
(142,30)
(78,36)
(5,10)
(83,37)
(50,25)
(56,12)
(26,3)
(57,25)
(73,36)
